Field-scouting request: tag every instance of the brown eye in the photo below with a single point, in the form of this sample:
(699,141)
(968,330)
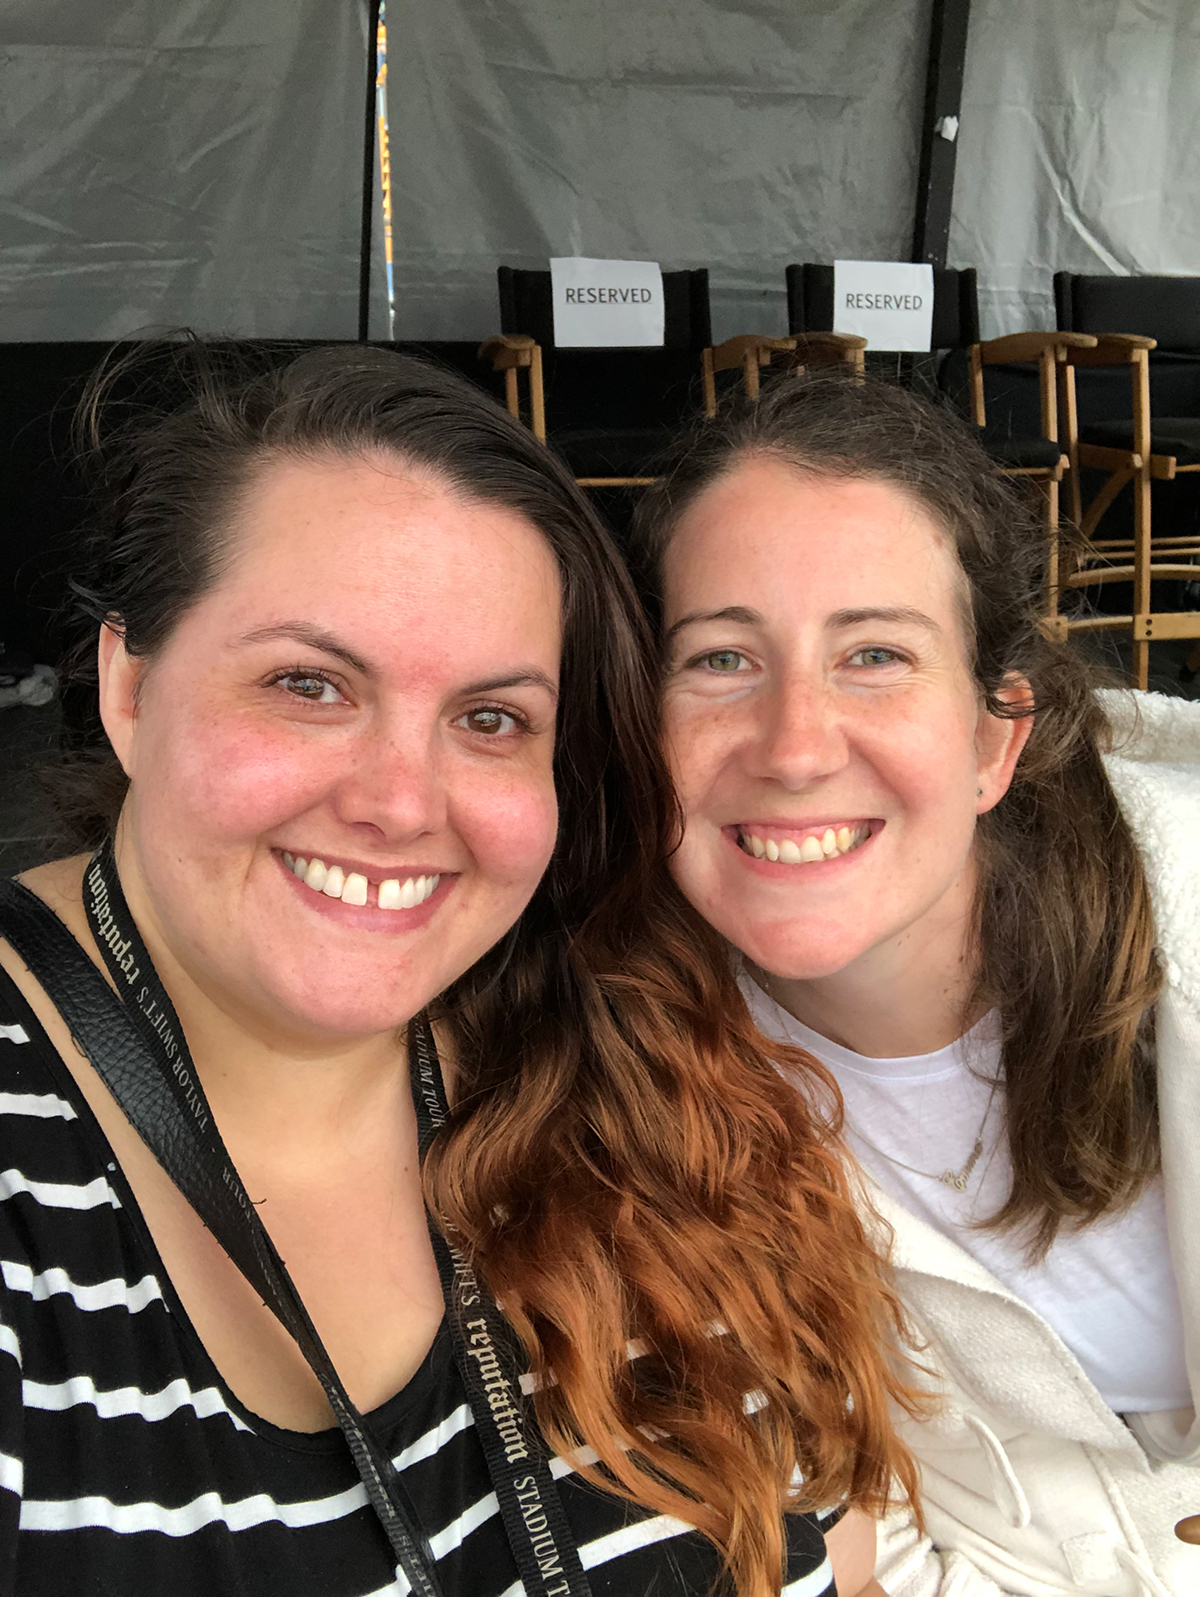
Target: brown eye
(314,689)
(489,721)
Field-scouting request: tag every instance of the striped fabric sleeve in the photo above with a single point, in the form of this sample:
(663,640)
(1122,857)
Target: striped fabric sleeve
(12,1444)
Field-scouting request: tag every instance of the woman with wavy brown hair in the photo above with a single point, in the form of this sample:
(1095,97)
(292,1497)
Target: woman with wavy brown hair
(970,886)
(587,1296)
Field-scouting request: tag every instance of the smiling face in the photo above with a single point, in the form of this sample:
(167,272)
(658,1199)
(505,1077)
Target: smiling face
(370,689)
(824,728)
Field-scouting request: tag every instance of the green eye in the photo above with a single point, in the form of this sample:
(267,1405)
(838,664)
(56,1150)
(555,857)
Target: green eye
(875,656)
(725,661)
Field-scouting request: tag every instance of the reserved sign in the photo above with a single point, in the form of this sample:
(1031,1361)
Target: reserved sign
(889,303)
(606,303)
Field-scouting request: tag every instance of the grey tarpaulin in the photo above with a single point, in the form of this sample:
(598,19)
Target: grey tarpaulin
(200,162)
(1078,148)
(193,162)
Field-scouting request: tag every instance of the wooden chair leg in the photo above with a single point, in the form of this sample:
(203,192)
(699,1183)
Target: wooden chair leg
(1141,664)
(709,383)
(1141,574)
(537,396)
(1052,553)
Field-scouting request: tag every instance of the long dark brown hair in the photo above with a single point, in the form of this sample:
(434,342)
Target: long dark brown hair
(1064,929)
(624,1164)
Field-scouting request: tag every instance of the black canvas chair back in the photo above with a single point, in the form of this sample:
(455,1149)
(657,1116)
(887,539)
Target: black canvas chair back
(955,304)
(1166,309)
(610,410)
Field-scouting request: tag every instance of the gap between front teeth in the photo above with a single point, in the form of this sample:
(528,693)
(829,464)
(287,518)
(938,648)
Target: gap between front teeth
(828,845)
(352,889)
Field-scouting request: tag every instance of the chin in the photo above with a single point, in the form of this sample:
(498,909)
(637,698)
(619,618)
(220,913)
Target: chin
(346,1002)
(796,960)
(350,1014)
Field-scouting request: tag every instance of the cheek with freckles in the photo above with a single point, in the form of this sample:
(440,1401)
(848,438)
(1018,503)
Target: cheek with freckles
(702,747)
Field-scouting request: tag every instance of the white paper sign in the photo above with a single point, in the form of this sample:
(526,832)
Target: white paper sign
(889,303)
(606,302)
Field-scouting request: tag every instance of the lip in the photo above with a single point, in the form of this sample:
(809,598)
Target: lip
(779,870)
(369,917)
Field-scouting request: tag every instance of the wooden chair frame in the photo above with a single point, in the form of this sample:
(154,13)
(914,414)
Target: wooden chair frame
(1133,559)
(823,349)
(1044,348)
(750,351)
(512,353)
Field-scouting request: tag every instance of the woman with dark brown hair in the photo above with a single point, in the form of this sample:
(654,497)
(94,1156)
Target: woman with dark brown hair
(380,781)
(970,886)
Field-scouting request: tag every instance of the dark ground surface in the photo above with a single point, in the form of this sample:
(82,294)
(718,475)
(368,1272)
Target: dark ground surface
(28,739)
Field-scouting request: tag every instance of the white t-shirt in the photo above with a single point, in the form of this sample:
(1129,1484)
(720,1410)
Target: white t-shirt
(1109,1290)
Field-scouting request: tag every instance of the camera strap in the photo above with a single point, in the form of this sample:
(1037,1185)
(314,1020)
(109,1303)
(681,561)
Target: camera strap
(136,1045)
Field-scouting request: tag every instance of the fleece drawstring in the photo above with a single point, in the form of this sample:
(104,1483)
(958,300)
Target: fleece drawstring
(1006,1488)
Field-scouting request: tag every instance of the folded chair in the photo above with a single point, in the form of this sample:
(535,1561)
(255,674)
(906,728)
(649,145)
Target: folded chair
(611,412)
(961,359)
(1133,442)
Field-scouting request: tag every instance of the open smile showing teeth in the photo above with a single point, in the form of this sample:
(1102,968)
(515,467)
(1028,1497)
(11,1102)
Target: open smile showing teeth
(354,888)
(825,843)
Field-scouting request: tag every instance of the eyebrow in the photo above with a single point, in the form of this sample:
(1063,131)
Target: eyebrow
(734,612)
(741,615)
(898,612)
(314,638)
(530,677)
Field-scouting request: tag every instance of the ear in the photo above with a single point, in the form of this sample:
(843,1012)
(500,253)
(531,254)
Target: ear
(120,675)
(999,742)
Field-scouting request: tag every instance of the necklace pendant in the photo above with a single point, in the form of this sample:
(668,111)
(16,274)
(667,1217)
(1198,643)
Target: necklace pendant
(958,1178)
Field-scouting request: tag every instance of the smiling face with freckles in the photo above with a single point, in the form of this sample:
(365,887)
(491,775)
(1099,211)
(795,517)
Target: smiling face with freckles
(341,761)
(825,730)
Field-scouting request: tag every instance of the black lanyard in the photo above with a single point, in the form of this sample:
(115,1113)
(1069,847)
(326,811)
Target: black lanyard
(139,1051)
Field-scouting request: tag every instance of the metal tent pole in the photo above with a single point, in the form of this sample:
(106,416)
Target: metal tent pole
(368,180)
(939,131)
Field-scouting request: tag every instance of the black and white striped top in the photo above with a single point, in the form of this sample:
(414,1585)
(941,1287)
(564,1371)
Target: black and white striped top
(128,1467)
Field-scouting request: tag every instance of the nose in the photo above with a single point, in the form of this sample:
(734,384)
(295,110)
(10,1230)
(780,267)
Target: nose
(394,785)
(800,735)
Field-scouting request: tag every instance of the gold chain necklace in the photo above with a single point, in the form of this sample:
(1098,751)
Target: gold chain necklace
(949,1178)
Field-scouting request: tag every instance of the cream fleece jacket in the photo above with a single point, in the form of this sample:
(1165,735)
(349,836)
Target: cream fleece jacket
(1031,1484)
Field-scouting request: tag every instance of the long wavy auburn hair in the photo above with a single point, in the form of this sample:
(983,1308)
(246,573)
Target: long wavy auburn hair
(1064,927)
(665,1221)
